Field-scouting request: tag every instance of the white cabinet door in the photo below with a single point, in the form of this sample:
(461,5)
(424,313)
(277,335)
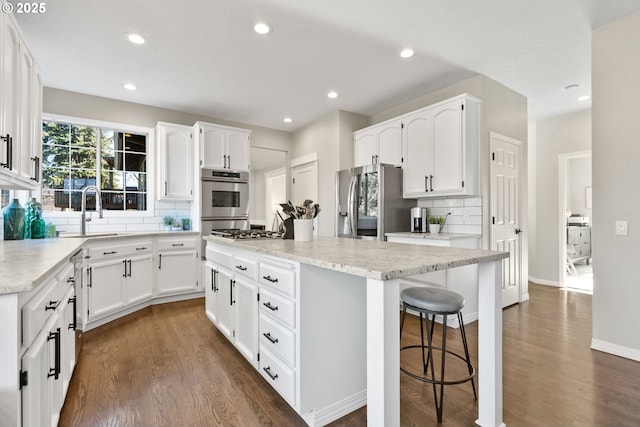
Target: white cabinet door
(211,292)
(390,143)
(176,272)
(447,168)
(245,297)
(418,149)
(139,281)
(212,142)
(106,294)
(26,135)
(67,339)
(9,97)
(366,147)
(237,150)
(176,162)
(224,302)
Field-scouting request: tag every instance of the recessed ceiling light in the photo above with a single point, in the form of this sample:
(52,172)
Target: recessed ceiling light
(130,86)
(262,28)
(572,86)
(406,53)
(332,94)
(287,120)
(135,38)
(584,98)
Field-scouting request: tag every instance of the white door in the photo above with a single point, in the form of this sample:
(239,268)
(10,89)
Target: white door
(224,302)
(210,291)
(305,182)
(176,272)
(139,281)
(276,193)
(213,146)
(417,153)
(245,296)
(106,294)
(447,149)
(366,147)
(505,212)
(390,143)
(238,150)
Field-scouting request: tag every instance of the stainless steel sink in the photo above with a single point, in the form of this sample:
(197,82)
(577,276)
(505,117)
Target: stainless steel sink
(97,234)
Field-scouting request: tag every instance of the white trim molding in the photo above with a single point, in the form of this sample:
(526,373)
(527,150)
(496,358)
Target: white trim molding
(308,158)
(615,349)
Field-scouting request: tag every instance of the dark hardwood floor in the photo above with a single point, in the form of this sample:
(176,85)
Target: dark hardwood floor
(167,365)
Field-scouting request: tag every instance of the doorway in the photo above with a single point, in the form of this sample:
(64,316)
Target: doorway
(304,173)
(576,266)
(268,184)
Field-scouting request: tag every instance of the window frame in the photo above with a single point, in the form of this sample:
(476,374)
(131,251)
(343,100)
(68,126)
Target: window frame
(122,127)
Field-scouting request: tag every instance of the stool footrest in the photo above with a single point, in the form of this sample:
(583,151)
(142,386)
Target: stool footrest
(433,380)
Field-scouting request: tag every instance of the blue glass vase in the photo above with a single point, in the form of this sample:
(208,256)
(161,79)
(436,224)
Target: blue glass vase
(13,215)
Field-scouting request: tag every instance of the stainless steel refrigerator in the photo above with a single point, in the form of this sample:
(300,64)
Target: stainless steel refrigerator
(369,202)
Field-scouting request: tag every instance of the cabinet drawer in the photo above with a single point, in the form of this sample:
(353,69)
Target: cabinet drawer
(280,376)
(278,278)
(278,339)
(121,250)
(246,266)
(176,243)
(219,256)
(36,312)
(278,307)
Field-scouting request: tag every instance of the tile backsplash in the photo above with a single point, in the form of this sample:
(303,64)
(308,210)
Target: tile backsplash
(465,213)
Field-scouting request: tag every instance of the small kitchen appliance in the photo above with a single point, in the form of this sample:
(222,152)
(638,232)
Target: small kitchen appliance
(418,220)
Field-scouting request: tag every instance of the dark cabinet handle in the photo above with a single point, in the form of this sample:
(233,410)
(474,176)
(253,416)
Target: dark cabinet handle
(426,183)
(142,248)
(129,268)
(177,244)
(233,286)
(241,267)
(125,268)
(269,306)
(430,182)
(271,279)
(159,261)
(55,371)
(270,338)
(90,274)
(109,253)
(74,326)
(165,188)
(51,306)
(215,281)
(268,371)
(7,140)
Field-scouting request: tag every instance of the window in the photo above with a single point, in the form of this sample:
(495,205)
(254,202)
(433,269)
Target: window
(75,156)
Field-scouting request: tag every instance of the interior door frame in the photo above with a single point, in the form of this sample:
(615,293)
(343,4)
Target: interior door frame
(523,293)
(310,160)
(563,159)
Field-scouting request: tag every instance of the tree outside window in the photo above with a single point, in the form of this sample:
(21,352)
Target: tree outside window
(75,156)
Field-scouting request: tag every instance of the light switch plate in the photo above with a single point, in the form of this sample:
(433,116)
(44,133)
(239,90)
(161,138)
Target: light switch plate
(621,228)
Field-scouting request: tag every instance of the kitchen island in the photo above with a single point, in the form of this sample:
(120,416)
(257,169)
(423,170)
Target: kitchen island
(376,267)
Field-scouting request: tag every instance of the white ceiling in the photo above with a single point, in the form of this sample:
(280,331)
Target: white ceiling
(203,57)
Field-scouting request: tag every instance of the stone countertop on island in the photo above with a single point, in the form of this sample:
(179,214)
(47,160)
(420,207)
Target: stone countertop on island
(434,236)
(366,258)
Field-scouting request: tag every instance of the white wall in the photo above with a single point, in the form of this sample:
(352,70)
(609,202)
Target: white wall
(616,174)
(565,134)
(578,176)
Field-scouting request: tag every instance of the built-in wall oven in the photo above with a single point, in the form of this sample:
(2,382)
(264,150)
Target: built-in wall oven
(224,201)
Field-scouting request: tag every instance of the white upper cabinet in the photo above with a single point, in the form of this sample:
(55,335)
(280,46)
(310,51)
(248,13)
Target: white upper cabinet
(441,147)
(175,165)
(20,110)
(381,143)
(222,147)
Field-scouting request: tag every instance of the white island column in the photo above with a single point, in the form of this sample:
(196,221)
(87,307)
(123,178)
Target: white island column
(383,353)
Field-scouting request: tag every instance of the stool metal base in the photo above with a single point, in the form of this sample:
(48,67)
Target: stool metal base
(426,361)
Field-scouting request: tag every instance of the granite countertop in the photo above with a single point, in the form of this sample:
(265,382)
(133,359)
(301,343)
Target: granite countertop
(366,258)
(434,236)
(25,264)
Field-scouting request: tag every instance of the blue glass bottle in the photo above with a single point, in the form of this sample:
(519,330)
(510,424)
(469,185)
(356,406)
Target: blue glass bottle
(13,215)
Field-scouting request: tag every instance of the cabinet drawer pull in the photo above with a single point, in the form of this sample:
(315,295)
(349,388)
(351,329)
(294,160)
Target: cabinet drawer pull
(55,371)
(241,267)
(268,371)
(51,306)
(142,248)
(430,182)
(269,306)
(270,338)
(271,279)
(177,244)
(109,253)
(426,183)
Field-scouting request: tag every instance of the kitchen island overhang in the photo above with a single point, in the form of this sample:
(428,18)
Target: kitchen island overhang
(381,264)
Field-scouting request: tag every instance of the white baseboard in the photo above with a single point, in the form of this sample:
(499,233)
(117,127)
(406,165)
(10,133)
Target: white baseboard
(544,282)
(525,297)
(336,410)
(615,349)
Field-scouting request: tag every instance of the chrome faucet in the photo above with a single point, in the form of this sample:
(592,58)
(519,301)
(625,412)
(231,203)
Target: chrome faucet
(84,220)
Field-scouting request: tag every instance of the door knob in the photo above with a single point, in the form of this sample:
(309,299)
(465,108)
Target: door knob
(518,231)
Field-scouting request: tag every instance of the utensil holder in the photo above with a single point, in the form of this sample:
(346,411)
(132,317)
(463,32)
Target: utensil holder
(302,230)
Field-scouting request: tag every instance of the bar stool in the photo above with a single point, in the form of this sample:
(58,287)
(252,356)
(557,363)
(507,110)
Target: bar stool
(434,301)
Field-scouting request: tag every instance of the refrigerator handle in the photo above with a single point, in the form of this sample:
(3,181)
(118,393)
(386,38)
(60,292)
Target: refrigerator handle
(351,202)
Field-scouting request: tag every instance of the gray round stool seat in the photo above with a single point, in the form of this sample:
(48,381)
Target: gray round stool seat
(434,300)
(430,302)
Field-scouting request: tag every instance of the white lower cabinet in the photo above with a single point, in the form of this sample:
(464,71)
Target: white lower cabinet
(48,362)
(120,275)
(178,263)
(224,303)
(245,322)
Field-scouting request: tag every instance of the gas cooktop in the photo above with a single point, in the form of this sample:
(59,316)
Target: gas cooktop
(247,234)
